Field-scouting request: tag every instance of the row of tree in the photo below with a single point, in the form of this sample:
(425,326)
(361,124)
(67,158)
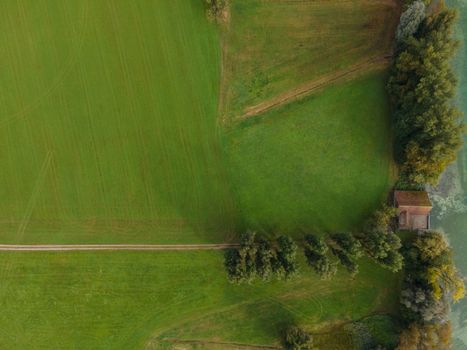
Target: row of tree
(259,257)
(422,84)
(430,285)
(377,240)
(429,134)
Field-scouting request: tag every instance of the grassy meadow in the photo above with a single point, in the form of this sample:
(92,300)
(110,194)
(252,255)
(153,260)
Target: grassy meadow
(273,46)
(138,300)
(323,163)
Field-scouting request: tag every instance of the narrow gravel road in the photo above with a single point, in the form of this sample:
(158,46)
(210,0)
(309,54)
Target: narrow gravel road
(74,247)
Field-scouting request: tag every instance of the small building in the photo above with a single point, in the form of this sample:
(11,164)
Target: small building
(413,208)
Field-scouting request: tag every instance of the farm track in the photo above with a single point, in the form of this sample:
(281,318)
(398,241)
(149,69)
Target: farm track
(232,345)
(310,87)
(140,247)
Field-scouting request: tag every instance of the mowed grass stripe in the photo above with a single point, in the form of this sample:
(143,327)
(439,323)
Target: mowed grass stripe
(62,72)
(128,107)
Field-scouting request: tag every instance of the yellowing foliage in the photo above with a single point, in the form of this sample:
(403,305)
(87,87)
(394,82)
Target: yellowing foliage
(446,279)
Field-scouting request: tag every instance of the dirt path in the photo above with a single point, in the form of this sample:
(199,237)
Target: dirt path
(75,247)
(316,84)
(230,345)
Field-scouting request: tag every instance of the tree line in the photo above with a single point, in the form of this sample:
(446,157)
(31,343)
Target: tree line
(377,241)
(429,133)
(428,127)
(261,258)
(430,285)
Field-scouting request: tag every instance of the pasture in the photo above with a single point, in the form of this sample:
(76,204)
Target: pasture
(321,164)
(108,123)
(271,47)
(138,300)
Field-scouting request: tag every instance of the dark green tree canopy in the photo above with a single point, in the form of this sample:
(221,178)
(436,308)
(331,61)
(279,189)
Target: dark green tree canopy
(428,127)
(261,258)
(296,338)
(316,255)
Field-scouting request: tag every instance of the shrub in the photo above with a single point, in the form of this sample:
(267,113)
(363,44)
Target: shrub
(215,8)
(297,339)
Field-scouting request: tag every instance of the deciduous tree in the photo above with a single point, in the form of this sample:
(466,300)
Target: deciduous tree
(426,337)
(347,249)
(258,257)
(316,255)
(421,85)
(297,339)
(410,21)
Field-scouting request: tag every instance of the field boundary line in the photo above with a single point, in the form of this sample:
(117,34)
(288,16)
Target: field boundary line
(140,247)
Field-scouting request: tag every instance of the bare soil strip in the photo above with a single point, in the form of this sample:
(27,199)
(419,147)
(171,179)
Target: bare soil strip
(74,247)
(230,344)
(314,85)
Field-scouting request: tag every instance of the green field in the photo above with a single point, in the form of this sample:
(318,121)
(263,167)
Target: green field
(108,123)
(128,300)
(119,136)
(314,164)
(113,130)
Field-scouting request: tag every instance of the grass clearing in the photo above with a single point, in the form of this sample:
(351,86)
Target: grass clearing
(323,163)
(127,300)
(274,46)
(108,123)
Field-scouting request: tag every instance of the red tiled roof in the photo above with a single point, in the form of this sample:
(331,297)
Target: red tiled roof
(412,199)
